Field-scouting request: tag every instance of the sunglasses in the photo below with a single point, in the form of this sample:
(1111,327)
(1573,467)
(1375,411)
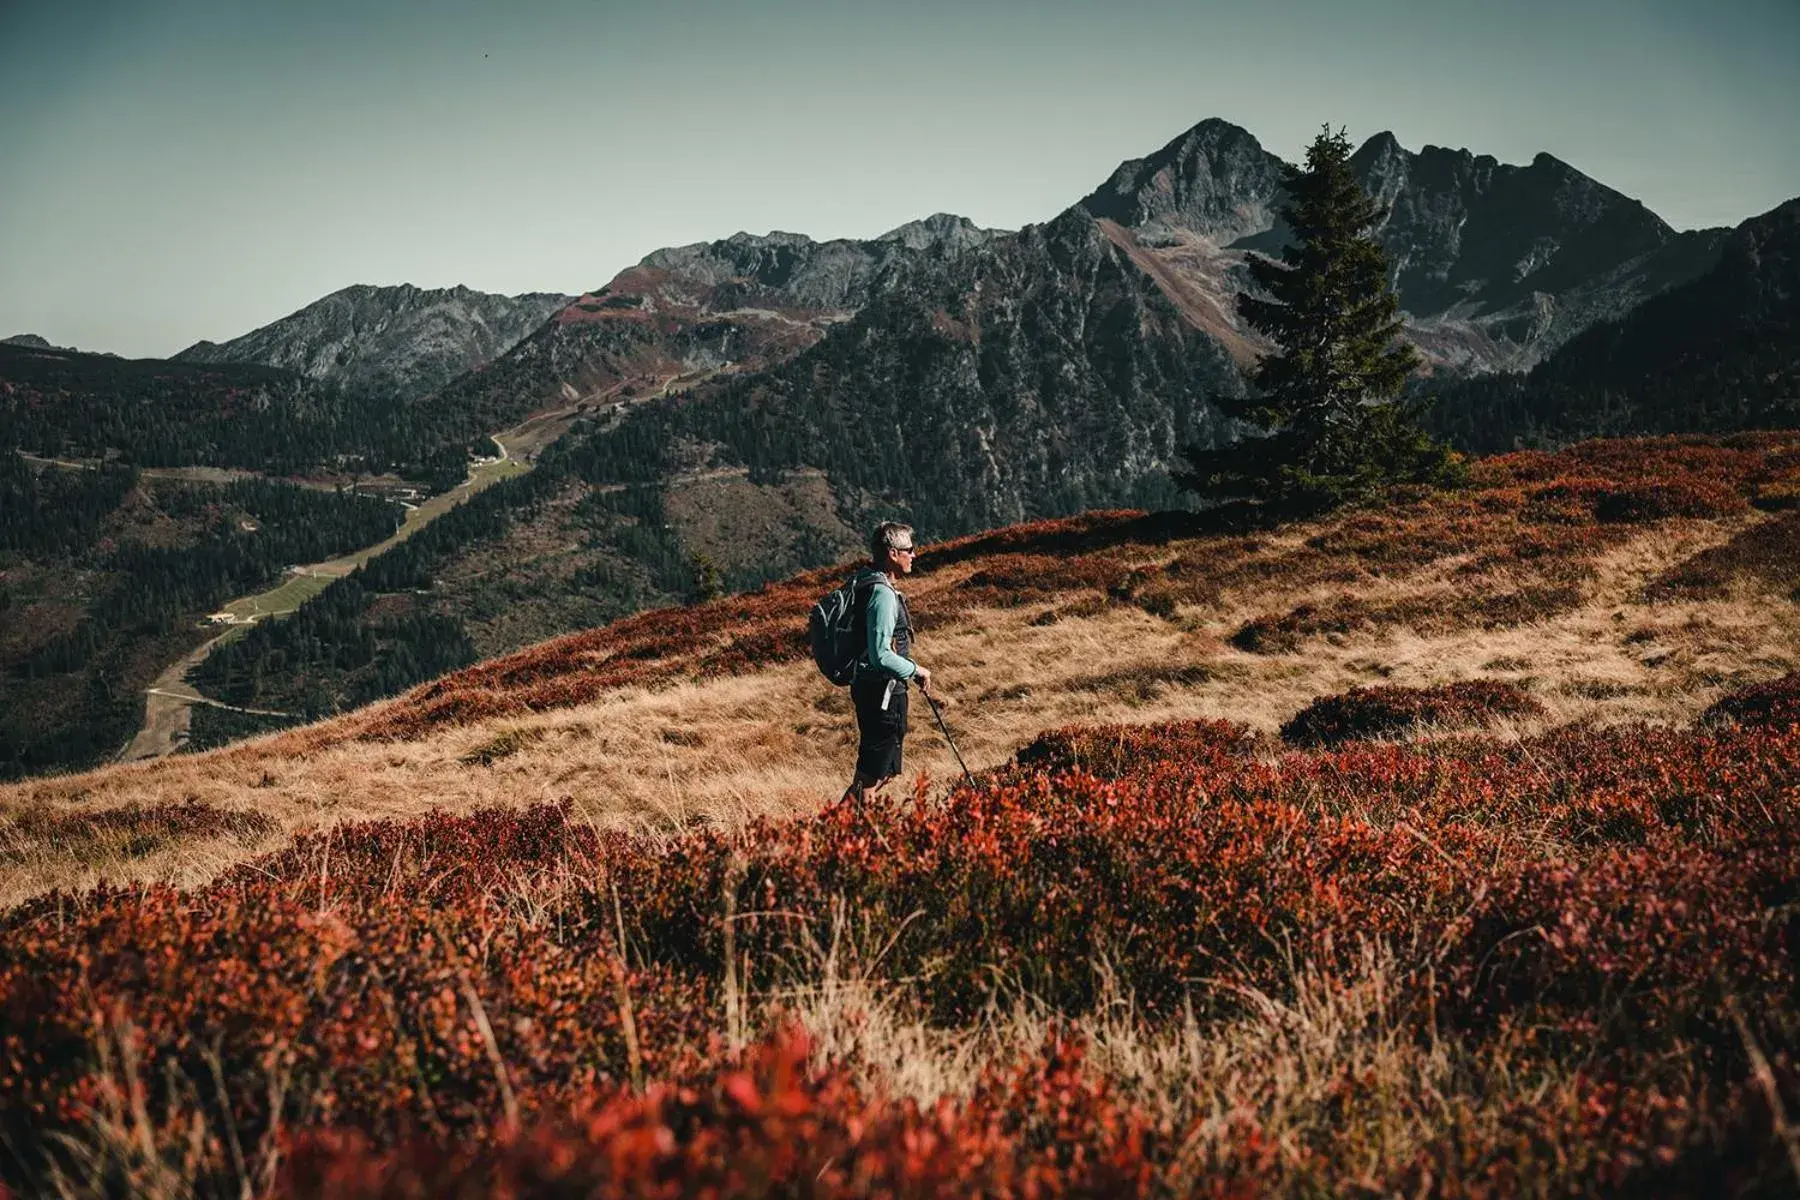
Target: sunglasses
(904,549)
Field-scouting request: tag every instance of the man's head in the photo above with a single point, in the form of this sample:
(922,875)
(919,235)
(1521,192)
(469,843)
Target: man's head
(891,546)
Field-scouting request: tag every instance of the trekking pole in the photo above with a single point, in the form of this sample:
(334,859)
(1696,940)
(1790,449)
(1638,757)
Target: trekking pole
(940,720)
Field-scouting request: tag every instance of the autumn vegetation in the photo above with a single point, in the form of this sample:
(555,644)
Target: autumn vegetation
(1442,847)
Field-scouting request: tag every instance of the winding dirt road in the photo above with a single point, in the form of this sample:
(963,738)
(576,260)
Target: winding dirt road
(169,700)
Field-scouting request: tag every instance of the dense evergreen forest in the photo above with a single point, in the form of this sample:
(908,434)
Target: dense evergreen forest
(53,513)
(104,575)
(152,412)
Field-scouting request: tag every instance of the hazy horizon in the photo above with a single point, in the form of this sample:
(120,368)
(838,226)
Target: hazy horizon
(195,169)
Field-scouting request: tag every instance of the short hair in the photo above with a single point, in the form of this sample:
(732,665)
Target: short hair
(886,535)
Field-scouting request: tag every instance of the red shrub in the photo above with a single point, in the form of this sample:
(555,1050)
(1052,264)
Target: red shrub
(1109,751)
(1485,608)
(1635,950)
(1775,704)
(1380,711)
(775,1126)
(347,963)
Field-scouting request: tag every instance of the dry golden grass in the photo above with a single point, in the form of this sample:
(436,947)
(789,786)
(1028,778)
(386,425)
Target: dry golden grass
(780,740)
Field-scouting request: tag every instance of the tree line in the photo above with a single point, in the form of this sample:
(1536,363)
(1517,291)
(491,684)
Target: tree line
(150,412)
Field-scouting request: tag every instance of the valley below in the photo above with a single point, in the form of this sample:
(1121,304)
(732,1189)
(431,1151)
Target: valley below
(169,699)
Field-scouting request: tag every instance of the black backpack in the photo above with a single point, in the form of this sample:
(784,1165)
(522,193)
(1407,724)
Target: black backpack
(837,630)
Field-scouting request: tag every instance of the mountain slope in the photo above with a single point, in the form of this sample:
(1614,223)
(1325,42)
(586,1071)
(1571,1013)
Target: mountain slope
(689,313)
(402,341)
(1545,575)
(106,574)
(613,923)
(1040,373)
(1719,352)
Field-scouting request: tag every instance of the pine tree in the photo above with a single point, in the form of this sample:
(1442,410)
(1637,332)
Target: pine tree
(1328,425)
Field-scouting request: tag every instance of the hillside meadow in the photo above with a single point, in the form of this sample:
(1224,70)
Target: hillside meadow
(1445,848)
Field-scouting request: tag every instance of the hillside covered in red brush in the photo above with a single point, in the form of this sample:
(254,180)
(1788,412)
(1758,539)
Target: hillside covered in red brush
(1425,938)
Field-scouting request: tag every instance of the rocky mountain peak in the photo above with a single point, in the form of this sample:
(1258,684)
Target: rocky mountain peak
(946,230)
(1381,157)
(1215,180)
(388,337)
(1380,145)
(775,237)
(31,341)
(1495,263)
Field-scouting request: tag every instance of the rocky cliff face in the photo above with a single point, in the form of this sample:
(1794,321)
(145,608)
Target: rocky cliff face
(1519,259)
(1495,265)
(689,314)
(1041,372)
(396,341)
(789,272)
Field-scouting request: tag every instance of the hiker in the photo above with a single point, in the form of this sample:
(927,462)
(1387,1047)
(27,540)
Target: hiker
(878,688)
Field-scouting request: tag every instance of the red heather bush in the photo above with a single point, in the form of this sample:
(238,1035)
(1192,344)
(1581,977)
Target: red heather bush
(1775,704)
(1026,578)
(1171,874)
(1496,608)
(775,1126)
(1373,712)
(1636,951)
(1577,500)
(344,965)
(1736,460)
(1779,493)
(748,653)
(1669,497)
(1599,1136)
(1109,751)
(1099,529)
(347,962)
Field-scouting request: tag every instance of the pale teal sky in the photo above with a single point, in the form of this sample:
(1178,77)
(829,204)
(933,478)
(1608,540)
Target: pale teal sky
(180,169)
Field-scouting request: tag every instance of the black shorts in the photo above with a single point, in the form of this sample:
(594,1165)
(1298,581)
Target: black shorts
(883,730)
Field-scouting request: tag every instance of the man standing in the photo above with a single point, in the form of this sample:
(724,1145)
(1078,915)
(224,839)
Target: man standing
(879,687)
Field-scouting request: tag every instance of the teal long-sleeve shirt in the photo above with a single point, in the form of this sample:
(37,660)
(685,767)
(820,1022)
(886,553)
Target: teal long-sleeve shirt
(884,613)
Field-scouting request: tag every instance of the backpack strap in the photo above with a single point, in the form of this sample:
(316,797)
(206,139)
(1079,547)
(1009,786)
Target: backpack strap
(862,593)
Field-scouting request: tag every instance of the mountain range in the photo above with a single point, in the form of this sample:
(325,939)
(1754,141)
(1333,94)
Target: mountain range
(403,340)
(1496,266)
